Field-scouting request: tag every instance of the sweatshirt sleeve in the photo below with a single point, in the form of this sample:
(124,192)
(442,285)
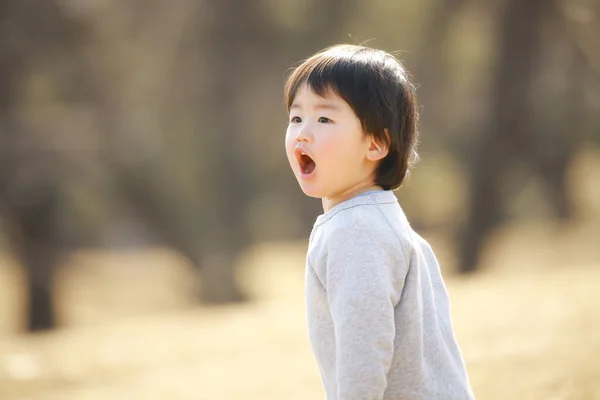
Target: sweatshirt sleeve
(364,279)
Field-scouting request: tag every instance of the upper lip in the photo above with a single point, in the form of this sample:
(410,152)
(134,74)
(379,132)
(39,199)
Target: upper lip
(300,150)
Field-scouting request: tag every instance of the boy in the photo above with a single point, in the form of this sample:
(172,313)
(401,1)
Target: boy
(378,312)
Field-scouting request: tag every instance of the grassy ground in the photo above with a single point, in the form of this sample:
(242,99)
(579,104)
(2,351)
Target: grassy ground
(526,333)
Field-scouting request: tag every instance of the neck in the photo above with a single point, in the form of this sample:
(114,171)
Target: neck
(330,202)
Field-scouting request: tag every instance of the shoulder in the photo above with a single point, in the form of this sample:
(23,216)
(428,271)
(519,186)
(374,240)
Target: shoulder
(361,243)
(362,227)
(372,223)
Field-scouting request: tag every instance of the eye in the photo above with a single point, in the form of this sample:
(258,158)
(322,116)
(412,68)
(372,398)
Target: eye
(324,120)
(295,120)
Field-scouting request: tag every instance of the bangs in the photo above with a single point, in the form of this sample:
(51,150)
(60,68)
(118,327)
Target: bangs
(316,75)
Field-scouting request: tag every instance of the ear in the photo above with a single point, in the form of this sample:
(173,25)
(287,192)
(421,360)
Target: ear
(377,148)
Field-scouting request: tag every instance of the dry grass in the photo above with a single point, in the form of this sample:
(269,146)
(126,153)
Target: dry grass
(526,334)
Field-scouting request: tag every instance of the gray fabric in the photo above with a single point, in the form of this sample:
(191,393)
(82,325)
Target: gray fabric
(378,311)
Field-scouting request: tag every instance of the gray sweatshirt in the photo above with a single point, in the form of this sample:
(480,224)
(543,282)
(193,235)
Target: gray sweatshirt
(378,311)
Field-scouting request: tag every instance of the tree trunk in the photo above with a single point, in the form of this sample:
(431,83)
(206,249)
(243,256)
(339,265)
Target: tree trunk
(29,182)
(30,212)
(509,133)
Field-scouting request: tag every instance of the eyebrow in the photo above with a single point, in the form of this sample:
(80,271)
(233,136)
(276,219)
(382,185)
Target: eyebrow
(319,106)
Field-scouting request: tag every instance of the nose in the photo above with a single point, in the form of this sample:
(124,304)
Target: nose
(304,135)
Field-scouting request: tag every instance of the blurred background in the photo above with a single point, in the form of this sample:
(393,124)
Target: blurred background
(153,236)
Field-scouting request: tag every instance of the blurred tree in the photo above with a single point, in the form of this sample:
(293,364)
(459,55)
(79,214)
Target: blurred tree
(508,130)
(535,119)
(560,120)
(432,61)
(240,38)
(34,35)
(236,33)
(220,45)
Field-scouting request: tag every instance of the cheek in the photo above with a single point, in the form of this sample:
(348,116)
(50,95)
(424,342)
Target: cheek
(290,143)
(337,150)
(341,158)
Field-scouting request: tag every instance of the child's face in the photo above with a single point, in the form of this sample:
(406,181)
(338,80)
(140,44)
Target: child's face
(326,146)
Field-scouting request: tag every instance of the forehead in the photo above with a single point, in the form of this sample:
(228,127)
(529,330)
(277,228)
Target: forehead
(306,97)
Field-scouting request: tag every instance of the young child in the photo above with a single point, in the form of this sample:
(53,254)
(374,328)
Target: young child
(378,312)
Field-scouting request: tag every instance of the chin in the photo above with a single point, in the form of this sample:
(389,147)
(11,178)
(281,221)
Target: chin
(315,196)
(311,191)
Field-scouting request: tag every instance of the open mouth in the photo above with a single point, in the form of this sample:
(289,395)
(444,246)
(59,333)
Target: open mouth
(307,164)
